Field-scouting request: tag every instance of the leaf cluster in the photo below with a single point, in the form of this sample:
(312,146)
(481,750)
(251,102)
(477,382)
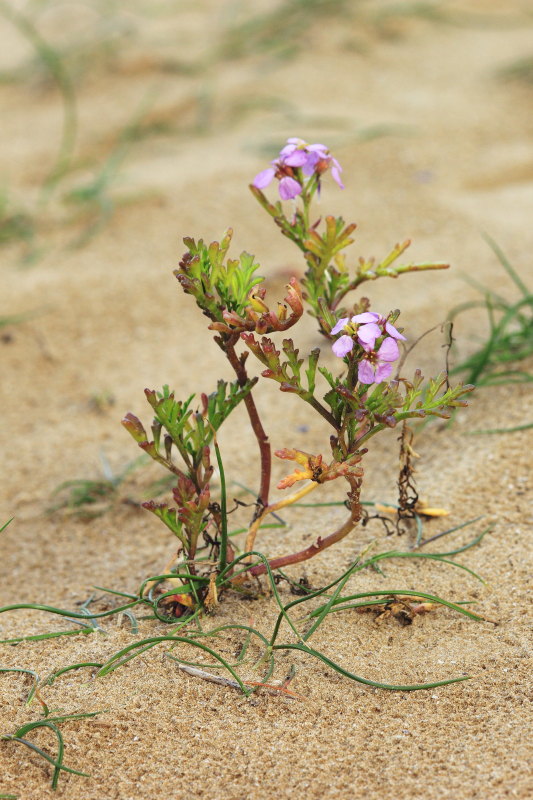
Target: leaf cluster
(176,425)
(217,284)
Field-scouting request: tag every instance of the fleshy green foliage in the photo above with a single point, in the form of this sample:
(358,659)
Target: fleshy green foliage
(328,278)
(177,426)
(287,373)
(216,285)
(357,405)
(357,410)
(190,431)
(510,337)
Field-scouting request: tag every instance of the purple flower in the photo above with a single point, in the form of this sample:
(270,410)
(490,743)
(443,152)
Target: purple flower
(365,329)
(369,329)
(289,188)
(343,346)
(372,327)
(262,179)
(296,162)
(319,160)
(340,325)
(376,367)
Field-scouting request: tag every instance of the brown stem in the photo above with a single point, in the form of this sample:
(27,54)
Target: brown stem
(356,512)
(309,552)
(262,439)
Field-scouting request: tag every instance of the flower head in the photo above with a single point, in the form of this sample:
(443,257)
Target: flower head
(364,330)
(372,326)
(376,367)
(296,164)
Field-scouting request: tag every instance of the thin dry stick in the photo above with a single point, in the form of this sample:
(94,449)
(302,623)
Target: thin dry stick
(407,350)
(208,676)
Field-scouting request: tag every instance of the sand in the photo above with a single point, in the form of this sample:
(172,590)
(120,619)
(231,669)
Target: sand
(453,160)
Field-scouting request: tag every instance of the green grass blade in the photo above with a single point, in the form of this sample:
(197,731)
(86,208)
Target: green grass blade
(27,672)
(63,613)
(223,555)
(506,264)
(323,614)
(347,674)
(112,664)
(39,637)
(405,592)
(51,678)
(431,556)
(450,530)
(501,430)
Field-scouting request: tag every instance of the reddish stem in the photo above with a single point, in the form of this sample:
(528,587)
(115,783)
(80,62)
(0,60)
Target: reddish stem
(262,439)
(309,552)
(321,544)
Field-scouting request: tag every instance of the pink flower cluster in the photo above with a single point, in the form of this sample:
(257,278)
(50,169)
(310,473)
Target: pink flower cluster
(376,365)
(296,162)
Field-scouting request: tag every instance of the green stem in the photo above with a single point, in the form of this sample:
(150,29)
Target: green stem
(322,411)
(223,556)
(380,426)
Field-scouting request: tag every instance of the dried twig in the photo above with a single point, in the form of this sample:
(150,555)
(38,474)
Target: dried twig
(208,676)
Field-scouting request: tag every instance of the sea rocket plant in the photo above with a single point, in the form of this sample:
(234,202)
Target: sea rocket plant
(355,405)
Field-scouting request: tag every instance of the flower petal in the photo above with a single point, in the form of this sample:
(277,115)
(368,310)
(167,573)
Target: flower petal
(262,179)
(336,173)
(366,316)
(382,372)
(343,346)
(365,372)
(391,330)
(289,188)
(340,325)
(388,350)
(296,159)
(289,148)
(367,334)
(312,160)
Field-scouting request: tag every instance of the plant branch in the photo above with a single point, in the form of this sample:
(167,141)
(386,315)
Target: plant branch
(322,411)
(309,552)
(262,439)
